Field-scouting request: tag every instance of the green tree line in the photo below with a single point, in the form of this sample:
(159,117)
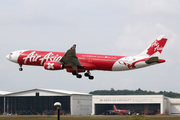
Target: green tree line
(134,92)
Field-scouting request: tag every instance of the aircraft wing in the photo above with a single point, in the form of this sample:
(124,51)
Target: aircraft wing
(70,58)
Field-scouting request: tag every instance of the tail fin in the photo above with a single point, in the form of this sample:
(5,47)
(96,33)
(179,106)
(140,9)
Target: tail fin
(156,47)
(115,109)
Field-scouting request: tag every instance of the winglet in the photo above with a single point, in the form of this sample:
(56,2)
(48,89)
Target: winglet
(73,47)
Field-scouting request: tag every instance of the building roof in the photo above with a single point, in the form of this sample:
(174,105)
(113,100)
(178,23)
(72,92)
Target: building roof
(3,93)
(45,92)
(67,92)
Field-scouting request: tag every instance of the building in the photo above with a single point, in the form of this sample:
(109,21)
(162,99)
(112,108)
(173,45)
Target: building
(141,104)
(2,99)
(41,101)
(174,106)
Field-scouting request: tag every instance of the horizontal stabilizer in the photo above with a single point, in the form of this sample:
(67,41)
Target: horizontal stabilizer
(151,60)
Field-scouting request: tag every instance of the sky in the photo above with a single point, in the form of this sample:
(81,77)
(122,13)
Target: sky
(111,27)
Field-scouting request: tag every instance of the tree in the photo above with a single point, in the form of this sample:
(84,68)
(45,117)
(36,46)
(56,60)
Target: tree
(134,92)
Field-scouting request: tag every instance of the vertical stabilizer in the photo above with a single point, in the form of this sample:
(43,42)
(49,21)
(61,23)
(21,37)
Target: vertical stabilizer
(115,109)
(155,48)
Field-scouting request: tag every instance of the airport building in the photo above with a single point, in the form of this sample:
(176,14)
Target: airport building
(139,104)
(41,102)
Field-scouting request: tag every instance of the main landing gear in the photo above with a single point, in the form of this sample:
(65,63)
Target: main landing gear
(77,75)
(87,74)
(20,69)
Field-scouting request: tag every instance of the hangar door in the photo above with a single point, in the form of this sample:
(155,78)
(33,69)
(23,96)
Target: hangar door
(150,109)
(1,105)
(175,109)
(36,105)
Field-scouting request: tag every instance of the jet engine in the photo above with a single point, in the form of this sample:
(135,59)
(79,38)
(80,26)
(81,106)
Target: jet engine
(53,66)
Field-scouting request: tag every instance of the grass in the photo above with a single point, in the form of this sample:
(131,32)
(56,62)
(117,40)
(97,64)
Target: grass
(116,117)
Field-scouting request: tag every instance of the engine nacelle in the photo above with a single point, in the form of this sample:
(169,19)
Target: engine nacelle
(53,66)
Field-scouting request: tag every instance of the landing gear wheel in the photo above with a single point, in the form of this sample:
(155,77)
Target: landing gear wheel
(20,69)
(74,73)
(91,77)
(79,76)
(86,74)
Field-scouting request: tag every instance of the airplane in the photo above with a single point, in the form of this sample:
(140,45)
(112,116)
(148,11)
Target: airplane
(76,63)
(118,111)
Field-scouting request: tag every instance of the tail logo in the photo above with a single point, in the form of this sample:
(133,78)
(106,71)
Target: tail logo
(156,46)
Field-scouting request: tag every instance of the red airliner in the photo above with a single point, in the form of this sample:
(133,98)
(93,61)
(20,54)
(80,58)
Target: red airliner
(118,111)
(79,62)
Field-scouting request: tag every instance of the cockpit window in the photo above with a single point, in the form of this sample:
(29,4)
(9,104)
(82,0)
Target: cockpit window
(11,53)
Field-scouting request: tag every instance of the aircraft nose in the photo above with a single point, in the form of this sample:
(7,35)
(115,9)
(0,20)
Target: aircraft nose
(13,56)
(7,56)
(10,57)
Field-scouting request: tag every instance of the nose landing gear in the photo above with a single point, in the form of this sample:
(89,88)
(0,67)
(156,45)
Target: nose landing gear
(20,69)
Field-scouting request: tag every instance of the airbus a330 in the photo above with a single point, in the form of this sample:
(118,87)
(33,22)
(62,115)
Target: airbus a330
(76,63)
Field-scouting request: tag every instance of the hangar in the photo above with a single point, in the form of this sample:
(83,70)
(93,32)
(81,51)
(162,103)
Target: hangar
(41,101)
(141,104)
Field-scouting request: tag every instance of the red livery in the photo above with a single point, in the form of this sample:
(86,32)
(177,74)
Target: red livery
(78,62)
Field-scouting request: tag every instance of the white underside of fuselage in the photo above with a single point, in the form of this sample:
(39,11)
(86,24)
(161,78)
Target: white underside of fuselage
(129,63)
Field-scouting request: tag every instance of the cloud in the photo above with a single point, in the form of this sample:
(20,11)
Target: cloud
(126,83)
(142,7)
(1,66)
(135,38)
(93,25)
